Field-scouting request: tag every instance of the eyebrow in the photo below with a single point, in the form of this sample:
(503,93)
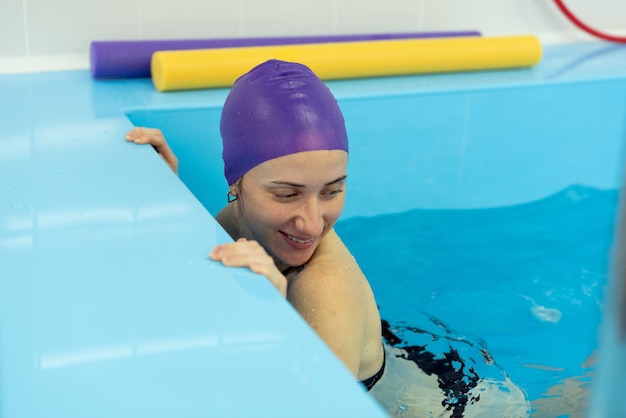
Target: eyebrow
(286,183)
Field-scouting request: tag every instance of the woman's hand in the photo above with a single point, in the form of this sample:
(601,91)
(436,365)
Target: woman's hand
(244,253)
(155,138)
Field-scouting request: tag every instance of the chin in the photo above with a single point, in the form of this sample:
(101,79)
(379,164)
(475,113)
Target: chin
(295,260)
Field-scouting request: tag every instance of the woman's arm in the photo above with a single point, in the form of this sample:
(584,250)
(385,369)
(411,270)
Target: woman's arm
(333,311)
(155,138)
(329,295)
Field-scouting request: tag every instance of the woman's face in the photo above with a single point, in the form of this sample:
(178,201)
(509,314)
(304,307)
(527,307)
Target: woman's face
(288,204)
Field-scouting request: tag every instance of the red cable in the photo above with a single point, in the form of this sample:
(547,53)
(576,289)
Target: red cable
(587,28)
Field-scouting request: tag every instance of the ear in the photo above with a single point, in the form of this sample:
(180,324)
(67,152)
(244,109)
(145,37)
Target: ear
(233,193)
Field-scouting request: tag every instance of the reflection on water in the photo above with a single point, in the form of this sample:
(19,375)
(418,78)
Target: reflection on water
(568,397)
(526,282)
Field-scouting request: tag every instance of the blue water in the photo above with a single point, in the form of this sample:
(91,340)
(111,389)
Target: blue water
(524,282)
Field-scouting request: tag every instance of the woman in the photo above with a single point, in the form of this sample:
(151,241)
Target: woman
(285,158)
(285,152)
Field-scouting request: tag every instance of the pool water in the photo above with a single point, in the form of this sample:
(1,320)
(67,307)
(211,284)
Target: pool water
(446,212)
(524,282)
(480,206)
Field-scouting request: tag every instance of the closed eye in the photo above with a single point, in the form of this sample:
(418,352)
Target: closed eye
(285,196)
(332,193)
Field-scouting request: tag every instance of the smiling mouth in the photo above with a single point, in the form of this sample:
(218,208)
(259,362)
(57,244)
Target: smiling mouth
(298,240)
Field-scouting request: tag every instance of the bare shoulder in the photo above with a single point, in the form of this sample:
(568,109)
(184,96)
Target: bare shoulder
(331,269)
(335,298)
(331,284)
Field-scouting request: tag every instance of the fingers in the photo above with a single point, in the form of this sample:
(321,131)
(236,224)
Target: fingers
(242,253)
(252,255)
(154,137)
(141,135)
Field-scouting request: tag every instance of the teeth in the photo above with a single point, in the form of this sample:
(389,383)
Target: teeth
(299,241)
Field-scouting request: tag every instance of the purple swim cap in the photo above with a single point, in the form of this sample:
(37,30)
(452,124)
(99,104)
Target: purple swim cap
(278,108)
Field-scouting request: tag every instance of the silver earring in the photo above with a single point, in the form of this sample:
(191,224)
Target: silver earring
(230,197)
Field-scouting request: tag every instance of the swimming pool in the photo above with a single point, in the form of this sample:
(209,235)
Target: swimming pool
(476,166)
(490,208)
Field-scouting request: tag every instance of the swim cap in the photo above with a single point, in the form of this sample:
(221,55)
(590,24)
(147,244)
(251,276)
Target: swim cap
(278,108)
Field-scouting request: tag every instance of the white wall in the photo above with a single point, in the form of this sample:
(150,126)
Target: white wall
(57,33)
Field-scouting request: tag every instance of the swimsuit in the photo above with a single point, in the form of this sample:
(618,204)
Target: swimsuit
(371,381)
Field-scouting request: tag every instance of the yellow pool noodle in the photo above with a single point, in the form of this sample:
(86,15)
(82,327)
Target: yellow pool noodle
(220,67)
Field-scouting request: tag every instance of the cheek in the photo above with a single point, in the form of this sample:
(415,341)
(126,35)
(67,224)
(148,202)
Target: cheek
(267,218)
(333,211)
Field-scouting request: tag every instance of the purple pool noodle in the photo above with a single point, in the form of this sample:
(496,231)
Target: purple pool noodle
(129,59)
(276,109)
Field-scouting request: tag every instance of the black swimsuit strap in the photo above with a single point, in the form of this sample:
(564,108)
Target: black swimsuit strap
(371,381)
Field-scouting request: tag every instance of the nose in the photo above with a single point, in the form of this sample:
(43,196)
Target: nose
(310,218)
